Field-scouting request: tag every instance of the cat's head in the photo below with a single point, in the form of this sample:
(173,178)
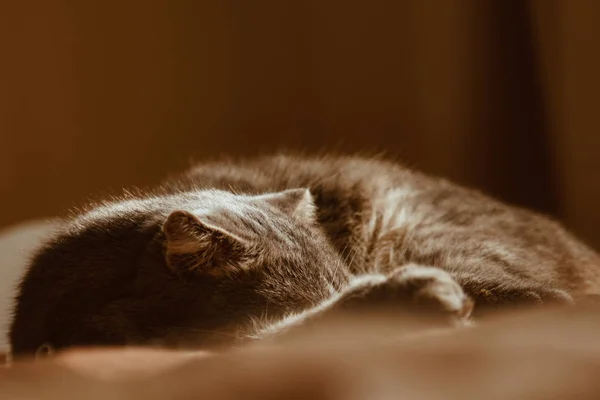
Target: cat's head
(190,269)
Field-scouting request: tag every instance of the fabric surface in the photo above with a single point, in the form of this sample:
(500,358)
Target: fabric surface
(545,355)
(16,245)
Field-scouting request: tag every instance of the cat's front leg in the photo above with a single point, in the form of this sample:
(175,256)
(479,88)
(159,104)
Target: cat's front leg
(413,288)
(410,290)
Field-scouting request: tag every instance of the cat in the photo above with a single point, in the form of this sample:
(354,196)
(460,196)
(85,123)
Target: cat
(247,249)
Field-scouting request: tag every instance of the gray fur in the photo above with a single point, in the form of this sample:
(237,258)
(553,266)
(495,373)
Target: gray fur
(248,248)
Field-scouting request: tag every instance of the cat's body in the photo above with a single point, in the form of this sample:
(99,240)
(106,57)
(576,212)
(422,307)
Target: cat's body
(380,215)
(242,248)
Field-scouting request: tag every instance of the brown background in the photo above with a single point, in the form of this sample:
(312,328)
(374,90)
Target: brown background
(99,94)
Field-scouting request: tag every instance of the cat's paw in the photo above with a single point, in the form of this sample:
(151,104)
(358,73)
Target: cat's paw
(419,290)
(433,290)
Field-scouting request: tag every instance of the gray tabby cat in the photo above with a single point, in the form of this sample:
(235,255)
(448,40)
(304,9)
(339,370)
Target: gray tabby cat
(251,248)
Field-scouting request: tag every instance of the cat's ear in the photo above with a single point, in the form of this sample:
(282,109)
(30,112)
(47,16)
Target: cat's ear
(297,203)
(195,244)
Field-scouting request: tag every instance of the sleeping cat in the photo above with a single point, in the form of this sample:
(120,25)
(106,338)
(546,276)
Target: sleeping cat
(238,249)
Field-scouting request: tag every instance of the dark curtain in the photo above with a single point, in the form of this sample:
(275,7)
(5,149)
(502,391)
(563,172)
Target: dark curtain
(500,95)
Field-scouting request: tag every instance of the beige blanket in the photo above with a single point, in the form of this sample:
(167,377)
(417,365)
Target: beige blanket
(16,245)
(543,355)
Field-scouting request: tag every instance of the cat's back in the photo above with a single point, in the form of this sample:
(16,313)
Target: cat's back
(355,196)
(370,195)
(350,174)
(364,201)
(346,189)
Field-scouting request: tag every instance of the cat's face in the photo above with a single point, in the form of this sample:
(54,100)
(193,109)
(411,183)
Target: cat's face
(194,269)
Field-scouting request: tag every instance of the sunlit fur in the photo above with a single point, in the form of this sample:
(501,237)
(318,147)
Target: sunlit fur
(237,249)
